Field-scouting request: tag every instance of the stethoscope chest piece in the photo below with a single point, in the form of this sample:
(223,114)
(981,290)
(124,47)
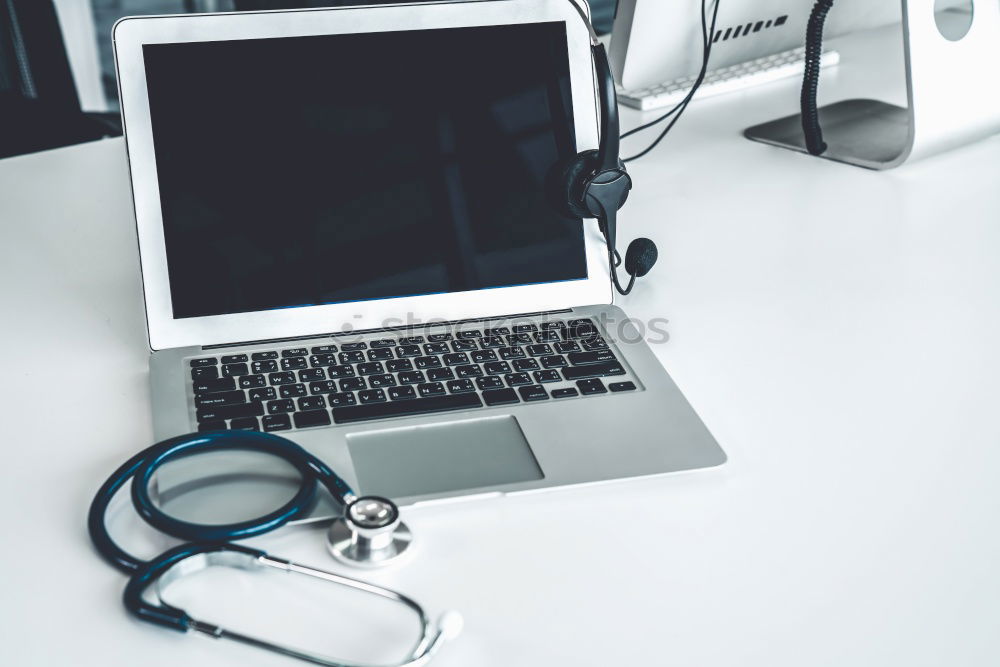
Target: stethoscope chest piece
(370,534)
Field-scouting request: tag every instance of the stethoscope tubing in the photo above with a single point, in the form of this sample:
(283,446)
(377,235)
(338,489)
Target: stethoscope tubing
(141,468)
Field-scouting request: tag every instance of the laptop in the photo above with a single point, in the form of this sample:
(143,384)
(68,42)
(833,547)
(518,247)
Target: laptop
(346,239)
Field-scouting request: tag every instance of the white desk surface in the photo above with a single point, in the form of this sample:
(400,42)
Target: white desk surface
(837,329)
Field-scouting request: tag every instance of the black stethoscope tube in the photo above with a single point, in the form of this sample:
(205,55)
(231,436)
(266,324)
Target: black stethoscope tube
(141,468)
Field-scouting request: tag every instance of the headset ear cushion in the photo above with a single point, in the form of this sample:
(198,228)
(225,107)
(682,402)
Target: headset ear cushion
(566,182)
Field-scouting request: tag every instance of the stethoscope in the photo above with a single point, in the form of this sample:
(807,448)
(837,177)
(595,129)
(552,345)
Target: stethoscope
(369,534)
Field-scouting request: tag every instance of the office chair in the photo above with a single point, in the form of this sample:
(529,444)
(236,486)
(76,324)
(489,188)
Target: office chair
(39,105)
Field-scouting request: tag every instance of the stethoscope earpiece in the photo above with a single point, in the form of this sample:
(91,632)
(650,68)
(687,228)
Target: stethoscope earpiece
(370,534)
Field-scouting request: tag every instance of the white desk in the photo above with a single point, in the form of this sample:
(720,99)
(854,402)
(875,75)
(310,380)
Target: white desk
(837,329)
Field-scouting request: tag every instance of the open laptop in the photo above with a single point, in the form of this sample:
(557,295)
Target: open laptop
(346,240)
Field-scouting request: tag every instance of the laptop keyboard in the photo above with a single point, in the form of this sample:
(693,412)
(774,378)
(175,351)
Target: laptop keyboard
(380,378)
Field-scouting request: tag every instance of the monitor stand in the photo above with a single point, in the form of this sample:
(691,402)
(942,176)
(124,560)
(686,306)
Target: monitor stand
(949,100)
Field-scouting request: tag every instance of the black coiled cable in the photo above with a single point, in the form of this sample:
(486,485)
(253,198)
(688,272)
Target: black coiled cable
(810,80)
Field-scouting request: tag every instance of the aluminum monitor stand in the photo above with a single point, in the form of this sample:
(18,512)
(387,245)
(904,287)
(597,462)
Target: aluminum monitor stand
(951,91)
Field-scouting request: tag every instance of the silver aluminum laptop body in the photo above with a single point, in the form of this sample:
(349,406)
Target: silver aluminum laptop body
(630,421)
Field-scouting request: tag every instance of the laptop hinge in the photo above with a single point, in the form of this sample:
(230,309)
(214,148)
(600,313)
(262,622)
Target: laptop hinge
(365,332)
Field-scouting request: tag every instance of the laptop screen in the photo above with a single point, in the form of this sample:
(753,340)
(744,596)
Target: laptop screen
(328,169)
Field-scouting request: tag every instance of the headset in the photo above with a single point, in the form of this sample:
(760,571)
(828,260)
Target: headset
(595,184)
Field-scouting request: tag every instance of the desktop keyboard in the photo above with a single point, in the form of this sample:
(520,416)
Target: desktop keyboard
(380,378)
(724,80)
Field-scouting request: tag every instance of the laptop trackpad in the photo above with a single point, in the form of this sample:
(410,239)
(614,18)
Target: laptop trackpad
(442,458)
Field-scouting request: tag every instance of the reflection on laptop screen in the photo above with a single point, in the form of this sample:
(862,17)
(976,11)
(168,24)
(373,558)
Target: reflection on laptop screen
(314,170)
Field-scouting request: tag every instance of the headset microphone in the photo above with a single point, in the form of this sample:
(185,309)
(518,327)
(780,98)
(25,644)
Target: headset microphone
(595,184)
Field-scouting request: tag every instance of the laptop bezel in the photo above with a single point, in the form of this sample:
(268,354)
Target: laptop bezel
(131,34)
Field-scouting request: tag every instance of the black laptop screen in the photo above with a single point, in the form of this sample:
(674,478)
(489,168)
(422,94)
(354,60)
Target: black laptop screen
(316,170)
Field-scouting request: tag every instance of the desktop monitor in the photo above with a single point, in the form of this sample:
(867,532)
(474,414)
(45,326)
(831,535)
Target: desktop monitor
(654,41)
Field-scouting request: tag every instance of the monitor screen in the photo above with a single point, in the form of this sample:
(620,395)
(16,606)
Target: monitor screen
(336,168)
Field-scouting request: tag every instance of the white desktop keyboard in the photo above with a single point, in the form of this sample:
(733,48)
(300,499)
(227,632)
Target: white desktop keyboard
(726,80)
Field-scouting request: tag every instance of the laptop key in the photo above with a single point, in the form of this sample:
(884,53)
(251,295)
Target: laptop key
(311,418)
(369,396)
(318,360)
(489,382)
(437,374)
(408,351)
(471,333)
(380,354)
(470,371)
(586,358)
(549,326)
(427,362)
(218,412)
(276,423)
(526,365)
(210,386)
(596,343)
(398,365)
(492,342)
(540,350)
(547,376)
(546,337)
(517,379)
(280,406)
(292,390)
(564,393)
(497,368)
(281,378)
(460,386)
(234,370)
(220,398)
(294,352)
(312,375)
(355,357)
(312,403)
(500,397)
(525,328)
(353,347)
(518,339)
(410,340)
(591,386)
(482,356)
(555,361)
(323,387)
(464,345)
(385,380)
(456,359)
(252,382)
(436,348)
(431,389)
(345,398)
(204,373)
(371,368)
(263,356)
(352,384)
(402,393)
(512,353)
(622,386)
(324,349)
(567,346)
(340,371)
(201,363)
(535,392)
(497,331)
(411,377)
(416,406)
(269,366)
(593,371)
(212,426)
(382,342)
(235,359)
(244,424)
(293,363)
(439,337)
(263,394)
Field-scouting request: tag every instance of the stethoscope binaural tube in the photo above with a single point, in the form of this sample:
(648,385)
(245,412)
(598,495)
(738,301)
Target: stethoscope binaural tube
(208,544)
